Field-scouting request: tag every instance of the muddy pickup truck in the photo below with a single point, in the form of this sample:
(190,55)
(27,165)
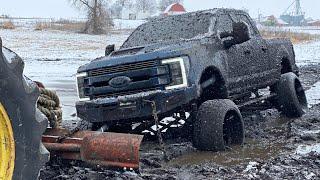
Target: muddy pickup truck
(205,65)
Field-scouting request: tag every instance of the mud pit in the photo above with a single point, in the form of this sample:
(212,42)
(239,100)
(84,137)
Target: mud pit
(275,148)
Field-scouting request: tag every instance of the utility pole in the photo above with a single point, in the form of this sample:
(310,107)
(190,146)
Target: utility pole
(298,10)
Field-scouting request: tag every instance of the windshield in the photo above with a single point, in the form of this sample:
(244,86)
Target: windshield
(179,27)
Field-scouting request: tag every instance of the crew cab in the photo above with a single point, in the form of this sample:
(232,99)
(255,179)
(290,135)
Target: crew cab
(208,62)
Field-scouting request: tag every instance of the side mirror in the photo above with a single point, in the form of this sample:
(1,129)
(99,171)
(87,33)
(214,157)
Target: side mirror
(109,49)
(228,42)
(227,39)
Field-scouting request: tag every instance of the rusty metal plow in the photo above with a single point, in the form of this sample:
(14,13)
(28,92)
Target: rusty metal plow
(113,150)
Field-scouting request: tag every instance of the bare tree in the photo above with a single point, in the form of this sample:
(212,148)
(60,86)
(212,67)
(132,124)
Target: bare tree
(122,2)
(146,5)
(163,4)
(98,19)
(118,6)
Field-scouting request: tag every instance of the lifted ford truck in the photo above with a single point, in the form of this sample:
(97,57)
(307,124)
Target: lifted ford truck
(210,63)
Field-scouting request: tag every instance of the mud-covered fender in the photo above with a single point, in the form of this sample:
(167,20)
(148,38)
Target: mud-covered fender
(280,49)
(282,53)
(220,62)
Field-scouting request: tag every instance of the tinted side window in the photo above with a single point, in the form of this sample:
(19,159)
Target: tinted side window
(245,19)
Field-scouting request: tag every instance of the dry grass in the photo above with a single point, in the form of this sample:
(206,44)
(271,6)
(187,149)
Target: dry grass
(8,25)
(71,26)
(41,26)
(61,25)
(295,37)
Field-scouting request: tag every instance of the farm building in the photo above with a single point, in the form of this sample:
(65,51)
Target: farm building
(314,23)
(174,9)
(271,21)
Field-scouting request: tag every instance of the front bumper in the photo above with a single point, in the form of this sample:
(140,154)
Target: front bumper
(134,107)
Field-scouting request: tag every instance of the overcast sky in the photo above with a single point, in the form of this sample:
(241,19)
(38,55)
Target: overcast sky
(61,8)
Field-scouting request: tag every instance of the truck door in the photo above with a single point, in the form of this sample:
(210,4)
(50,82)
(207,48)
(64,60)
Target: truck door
(260,60)
(239,55)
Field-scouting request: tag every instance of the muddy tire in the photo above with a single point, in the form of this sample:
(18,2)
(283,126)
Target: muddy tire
(218,124)
(291,98)
(18,97)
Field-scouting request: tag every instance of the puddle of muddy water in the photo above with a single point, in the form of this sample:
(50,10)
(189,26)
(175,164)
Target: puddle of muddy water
(252,151)
(313,94)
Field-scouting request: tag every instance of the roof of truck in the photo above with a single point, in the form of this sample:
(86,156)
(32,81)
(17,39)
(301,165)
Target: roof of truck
(214,11)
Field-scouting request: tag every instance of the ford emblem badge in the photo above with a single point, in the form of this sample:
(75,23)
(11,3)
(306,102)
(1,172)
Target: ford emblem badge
(120,82)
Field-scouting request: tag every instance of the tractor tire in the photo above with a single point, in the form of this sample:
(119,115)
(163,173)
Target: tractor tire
(21,123)
(291,97)
(218,124)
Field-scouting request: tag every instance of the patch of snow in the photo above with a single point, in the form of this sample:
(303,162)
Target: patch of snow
(167,120)
(312,132)
(9,55)
(305,53)
(57,45)
(53,57)
(313,94)
(187,115)
(130,172)
(251,166)
(307,149)
(310,176)
(298,29)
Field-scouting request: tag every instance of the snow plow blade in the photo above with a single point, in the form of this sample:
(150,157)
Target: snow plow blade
(112,150)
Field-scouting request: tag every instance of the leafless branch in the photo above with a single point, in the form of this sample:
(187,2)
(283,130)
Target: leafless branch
(86,3)
(98,19)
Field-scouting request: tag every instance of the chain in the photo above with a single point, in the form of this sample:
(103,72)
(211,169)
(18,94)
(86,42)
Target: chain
(159,134)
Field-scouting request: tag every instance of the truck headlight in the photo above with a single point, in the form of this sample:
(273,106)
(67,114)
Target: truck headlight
(177,71)
(80,86)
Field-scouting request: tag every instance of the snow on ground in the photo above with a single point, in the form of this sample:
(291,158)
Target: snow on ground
(307,53)
(298,29)
(306,149)
(313,94)
(31,44)
(31,23)
(53,57)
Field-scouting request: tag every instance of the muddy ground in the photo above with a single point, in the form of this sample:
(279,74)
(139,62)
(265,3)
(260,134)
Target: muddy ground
(275,148)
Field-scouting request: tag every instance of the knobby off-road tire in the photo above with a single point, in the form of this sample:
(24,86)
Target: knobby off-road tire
(218,124)
(291,97)
(18,96)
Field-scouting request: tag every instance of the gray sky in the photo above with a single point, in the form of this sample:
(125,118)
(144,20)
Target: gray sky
(61,8)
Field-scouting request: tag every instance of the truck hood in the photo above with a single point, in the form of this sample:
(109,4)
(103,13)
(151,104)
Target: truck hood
(139,54)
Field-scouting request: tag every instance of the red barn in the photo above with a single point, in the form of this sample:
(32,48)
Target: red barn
(173,9)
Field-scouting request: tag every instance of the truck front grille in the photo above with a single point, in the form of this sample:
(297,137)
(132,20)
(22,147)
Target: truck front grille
(123,68)
(144,76)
